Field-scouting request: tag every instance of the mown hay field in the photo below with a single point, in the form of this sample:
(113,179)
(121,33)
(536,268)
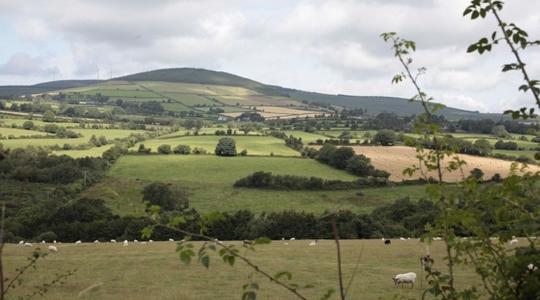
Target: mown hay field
(395,159)
(153,270)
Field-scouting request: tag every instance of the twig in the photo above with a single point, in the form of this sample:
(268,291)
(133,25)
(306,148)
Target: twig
(338,250)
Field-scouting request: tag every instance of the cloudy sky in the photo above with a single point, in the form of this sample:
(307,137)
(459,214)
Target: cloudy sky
(324,46)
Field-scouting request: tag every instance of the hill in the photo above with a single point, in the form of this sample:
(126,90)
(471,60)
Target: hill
(186,89)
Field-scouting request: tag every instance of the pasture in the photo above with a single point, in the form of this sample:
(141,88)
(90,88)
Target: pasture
(255,145)
(17,132)
(153,270)
(209,181)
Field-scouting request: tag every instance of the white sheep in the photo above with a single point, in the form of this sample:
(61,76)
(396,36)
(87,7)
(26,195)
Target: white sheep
(78,242)
(27,245)
(52,248)
(151,241)
(293,239)
(314,243)
(135,241)
(54,242)
(96,242)
(143,243)
(125,242)
(113,241)
(405,278)
(402,238)
(171,240)
(21,243)
(513,241)
(43,242)
(438,238)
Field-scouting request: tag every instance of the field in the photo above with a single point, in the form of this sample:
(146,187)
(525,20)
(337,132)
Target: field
(255,145)
(153,271)
(17,132)
(209,180)
(396,158)
(278,112)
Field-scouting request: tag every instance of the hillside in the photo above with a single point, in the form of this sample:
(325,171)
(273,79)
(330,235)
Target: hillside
(190,89)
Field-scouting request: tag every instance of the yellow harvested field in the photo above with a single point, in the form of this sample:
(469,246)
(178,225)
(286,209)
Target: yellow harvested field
(279,112)
(395,159)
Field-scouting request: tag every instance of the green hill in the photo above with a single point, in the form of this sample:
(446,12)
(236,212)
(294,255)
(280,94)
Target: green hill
(185,89)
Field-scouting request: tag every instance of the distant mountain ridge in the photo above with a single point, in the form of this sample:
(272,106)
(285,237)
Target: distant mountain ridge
(373,104)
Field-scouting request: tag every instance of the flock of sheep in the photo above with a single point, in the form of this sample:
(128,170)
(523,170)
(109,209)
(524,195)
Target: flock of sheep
(399,279)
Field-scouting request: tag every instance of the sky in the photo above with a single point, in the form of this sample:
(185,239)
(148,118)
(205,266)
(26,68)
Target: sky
(323,46)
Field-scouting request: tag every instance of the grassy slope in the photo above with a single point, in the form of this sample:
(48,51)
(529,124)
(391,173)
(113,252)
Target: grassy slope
(255,145)
(5,131)
(153,271)
(209,180)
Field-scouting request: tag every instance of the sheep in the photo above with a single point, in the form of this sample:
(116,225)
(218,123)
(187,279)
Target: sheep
(125,242)
(21,243)
(43,242)
(151,241)
(54,241)
(143,243)
(96,242)
(78,242)
(314,243)
(284,242)
(402,238)
(405,278)
(135,241)
(292,239)
(514,241)
(438,238)
(387,242)
(113,241)
(27,245)
(171,240)
(52,248)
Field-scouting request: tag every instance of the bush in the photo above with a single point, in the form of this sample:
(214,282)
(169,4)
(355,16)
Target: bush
(226,147)
(28,125)
(502,145)
(47,236)
(182,149)
(477,174)
(360,165)
(340,157)
(199,150)
(385,137)
(142,149)
(243,152)
(164,149)
(161,194)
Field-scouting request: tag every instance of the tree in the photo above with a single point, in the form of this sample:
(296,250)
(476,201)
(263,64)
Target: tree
(359,165)
(49,116)
(226,147)
(385,137)
(500,131)
(182,149)
(339,158)
(482,146)
(326,152)
(28,125)
(477,174)
(247,127)
(164,149)
(143,149)
(161,194)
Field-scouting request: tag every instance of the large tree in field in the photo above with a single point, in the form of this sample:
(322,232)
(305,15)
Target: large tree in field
(226,147)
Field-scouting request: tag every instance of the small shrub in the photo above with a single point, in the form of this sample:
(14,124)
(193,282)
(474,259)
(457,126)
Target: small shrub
(182,149)
(164,149)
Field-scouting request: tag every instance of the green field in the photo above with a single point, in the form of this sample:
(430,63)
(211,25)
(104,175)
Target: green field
(306,136)
(255,145)
(92,152)
(527,153)
(209,181)
(153,270)
(22,143)
(6,131)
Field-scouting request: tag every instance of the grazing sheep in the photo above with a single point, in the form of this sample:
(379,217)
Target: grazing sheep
(113,241)
(78,242)
(27,245)
(314,243)
(54,242)
(438,238)
(402,239)
(125,242)
(143,243)
(171,240)
(21,243)
(43,242)
(52,248)
(532,267)
(387,242)
(135,241)
(405,278)
(151,241)
(292,239)
(513,241)
(96,242)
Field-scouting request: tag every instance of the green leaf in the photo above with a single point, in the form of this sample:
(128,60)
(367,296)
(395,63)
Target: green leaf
(147,232)
(472,48)
(185,256)
(178,220)
(205,261)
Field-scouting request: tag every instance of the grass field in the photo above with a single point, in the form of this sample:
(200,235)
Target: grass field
(153,270)
(255,145)
(6,131)
(306,136)
(92,152)
(209,181)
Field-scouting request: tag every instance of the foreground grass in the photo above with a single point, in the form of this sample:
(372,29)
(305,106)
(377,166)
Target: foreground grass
(153,271)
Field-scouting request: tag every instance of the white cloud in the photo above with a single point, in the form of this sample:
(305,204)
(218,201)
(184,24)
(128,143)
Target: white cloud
(320,45)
